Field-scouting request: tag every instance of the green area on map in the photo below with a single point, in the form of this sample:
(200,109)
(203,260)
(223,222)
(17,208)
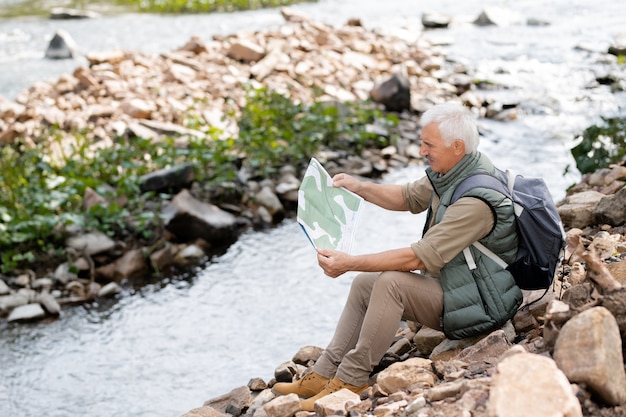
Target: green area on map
(328,215)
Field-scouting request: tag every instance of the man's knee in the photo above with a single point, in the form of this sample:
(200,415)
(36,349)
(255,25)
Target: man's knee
(364,280)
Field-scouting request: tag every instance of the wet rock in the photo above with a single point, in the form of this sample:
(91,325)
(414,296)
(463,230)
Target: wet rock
(190,219)
(189,255)
(64,13)
(49,303)
(432,20)
(61,46)
(28,312)
(497,16)
(168,179)
(618,47)
(109,290)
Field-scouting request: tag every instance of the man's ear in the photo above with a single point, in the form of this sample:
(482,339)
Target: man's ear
(459,147)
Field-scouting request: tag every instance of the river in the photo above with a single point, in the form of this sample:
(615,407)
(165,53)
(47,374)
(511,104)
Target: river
(165,348)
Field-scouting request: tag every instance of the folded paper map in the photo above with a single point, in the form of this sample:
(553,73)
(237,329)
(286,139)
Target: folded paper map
(328,215)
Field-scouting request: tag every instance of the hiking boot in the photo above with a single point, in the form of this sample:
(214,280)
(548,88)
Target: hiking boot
(308,386)
(333,385)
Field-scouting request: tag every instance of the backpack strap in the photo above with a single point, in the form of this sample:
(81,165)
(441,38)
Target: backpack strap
(484,181)
(485,250)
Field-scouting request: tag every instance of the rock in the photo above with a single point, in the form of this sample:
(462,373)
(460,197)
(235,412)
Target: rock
(138,108)
(239,399)
(190,219)
(4,288)
(205,412)
(394,93)
(61,46)
(283,406)
(307,354)
(92,199)
(336,403)
(168,179)
(427,339)
(49,303)
(28,312)
(246,51)
(20,298)
(91,243)
(589,351)
(64,13)
(497,16)
(402,375)
(285,372)
(488,349)
(577,210)
(109,290)
(432,20)
(618,47)
(526,384)
(268,199)
(189,255)
(610,209)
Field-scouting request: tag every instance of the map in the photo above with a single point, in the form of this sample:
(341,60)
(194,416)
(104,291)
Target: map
(328,215)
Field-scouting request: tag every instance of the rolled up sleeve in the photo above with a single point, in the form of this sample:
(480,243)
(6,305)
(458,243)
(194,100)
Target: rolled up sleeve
(463,223)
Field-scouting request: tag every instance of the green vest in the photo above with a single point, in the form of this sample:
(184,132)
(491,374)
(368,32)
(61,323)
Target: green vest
(482,300)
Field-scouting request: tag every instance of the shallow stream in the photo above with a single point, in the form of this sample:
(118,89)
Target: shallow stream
(167,347)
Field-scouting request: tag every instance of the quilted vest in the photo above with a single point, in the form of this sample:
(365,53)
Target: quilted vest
(480,300)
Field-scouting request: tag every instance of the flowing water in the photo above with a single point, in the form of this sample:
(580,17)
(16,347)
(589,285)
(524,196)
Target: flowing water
(165,348)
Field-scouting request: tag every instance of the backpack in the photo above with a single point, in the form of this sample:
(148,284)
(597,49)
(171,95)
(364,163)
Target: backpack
(542,239)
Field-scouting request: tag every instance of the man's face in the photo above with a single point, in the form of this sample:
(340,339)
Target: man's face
(440,157)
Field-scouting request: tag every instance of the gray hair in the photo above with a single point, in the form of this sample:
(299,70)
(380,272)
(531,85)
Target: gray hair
(455,121)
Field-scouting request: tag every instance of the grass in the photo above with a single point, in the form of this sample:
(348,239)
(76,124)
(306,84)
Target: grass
(42,8)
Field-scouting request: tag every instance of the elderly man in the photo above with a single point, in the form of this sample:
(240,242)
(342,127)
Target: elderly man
(429,281)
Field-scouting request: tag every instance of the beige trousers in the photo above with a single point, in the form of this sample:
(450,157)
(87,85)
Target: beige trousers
(376,304)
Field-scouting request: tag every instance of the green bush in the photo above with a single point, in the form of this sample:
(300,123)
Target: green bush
(42,187)
(601,145)
(274,131)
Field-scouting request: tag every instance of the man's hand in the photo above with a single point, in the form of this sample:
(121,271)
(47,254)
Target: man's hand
(347,181)
(333,262)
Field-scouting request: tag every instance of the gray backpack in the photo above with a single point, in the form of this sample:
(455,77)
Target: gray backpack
(542,239)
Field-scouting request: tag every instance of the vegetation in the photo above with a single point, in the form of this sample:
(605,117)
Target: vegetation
(42,7)
(42,187)
(601,145)
(204,6)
